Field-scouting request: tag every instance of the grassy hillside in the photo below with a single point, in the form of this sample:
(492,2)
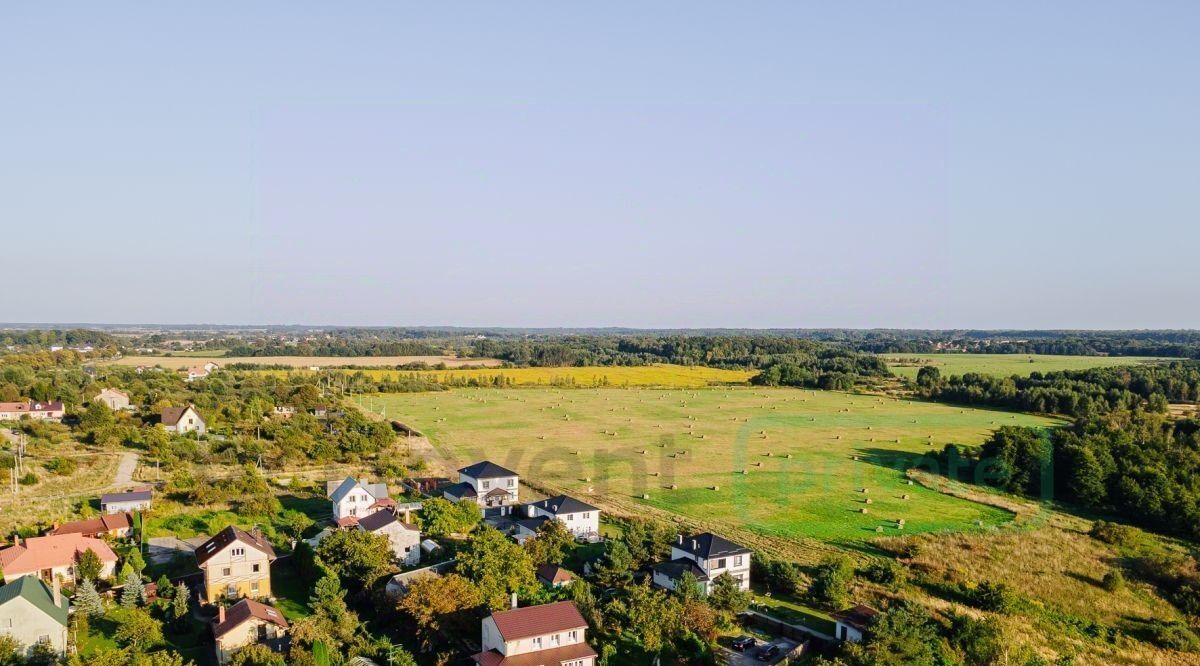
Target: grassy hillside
(907,365)
(807,455)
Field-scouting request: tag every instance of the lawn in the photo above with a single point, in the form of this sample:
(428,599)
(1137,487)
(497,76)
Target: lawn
(907,365)
(788,610)
(778,462)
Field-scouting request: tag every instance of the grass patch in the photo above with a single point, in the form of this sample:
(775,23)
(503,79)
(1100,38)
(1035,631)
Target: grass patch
(791,611)
(807,455)
(907,365)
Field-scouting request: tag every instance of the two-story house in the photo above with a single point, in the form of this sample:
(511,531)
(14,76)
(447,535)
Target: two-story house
(706,556)
(547,635)
(486,483)
(580,518)
(32,409)
(356,498)
(236,564)
(183,420)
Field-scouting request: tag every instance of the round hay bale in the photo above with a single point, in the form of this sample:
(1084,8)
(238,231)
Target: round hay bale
(716,487)
(744,472)
(904,496)
(867,501)
(645,496)
(674,487)
(789,456)
(865,490)
(863,510)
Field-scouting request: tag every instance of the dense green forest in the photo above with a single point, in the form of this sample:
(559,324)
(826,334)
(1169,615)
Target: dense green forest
(1070,392)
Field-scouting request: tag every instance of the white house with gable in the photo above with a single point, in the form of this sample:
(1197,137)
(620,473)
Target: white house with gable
(488,484)
(535,635)
(706,556)
(580,518)
(357,498)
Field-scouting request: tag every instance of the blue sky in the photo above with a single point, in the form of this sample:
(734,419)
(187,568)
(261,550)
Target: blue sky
(983,165)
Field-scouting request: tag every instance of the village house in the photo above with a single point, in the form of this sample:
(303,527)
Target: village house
(32,612)
(31,409)
(110,524)
(283,412)
(113,399)
(706,556)
(183,420)
(486,483)
(404,536)
(53,556)
(850,624)
(553,575)
(138,499)
(236,564)
(550,635)
(581,519)
(356,498)
(245,623)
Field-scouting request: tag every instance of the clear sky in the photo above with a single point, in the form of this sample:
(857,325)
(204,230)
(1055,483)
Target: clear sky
(914,164)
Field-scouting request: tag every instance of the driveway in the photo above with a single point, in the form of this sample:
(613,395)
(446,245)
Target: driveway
(734,658)
(125,470)
(162,550)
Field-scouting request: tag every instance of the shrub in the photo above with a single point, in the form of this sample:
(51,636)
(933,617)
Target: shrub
(61,466)
(996,597)
(1174,636)
(831,581)
(1113,581)
(1115,533)
(884,572)
(29,479)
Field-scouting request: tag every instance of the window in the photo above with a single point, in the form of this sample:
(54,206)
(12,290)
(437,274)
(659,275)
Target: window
(537,643)
(44,638)
(574,635)
(226,571)
(555,639)
(231,592)
(487,484)
(238,552)
(256,567)
(587,514)
(512,482)
(737,561)
(254,586)
(570,516)
(721,563)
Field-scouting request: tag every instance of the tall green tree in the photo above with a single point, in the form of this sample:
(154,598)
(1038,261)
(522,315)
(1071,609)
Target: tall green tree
(497,565)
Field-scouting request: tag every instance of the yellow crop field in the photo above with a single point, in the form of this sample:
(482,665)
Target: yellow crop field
(177,362)
(672,376)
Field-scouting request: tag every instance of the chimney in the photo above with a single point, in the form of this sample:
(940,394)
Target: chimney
(514,600)
(364,482)
(220,615)
(57,593)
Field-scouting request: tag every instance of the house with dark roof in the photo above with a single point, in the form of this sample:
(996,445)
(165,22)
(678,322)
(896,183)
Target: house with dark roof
(236,564)
(580,518)
(248,622)
(183,420)
(110,524)
(138,499)
(486,483)
(404,537)
(547,635)
(32,612)
(355,498)
(706,556)
(851,623)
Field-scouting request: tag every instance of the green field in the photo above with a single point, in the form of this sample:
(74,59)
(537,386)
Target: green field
(907,365)
(570,441)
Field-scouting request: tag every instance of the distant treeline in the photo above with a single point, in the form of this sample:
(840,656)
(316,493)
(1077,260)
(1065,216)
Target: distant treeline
(1175,344)
(338,347)
(43,339)
(1142,466)
(1077,393)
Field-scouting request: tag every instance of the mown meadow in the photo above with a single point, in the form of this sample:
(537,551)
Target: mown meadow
(907,365)
(779,462)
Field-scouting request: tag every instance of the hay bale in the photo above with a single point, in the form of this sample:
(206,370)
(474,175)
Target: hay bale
(904,496)
(789,456)
(865,490)
(674,487)
(863,510)
(867,501)
(744,471)
(716,488)
(645,496)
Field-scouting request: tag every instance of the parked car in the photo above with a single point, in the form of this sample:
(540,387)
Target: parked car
(768,652)
(744,643)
